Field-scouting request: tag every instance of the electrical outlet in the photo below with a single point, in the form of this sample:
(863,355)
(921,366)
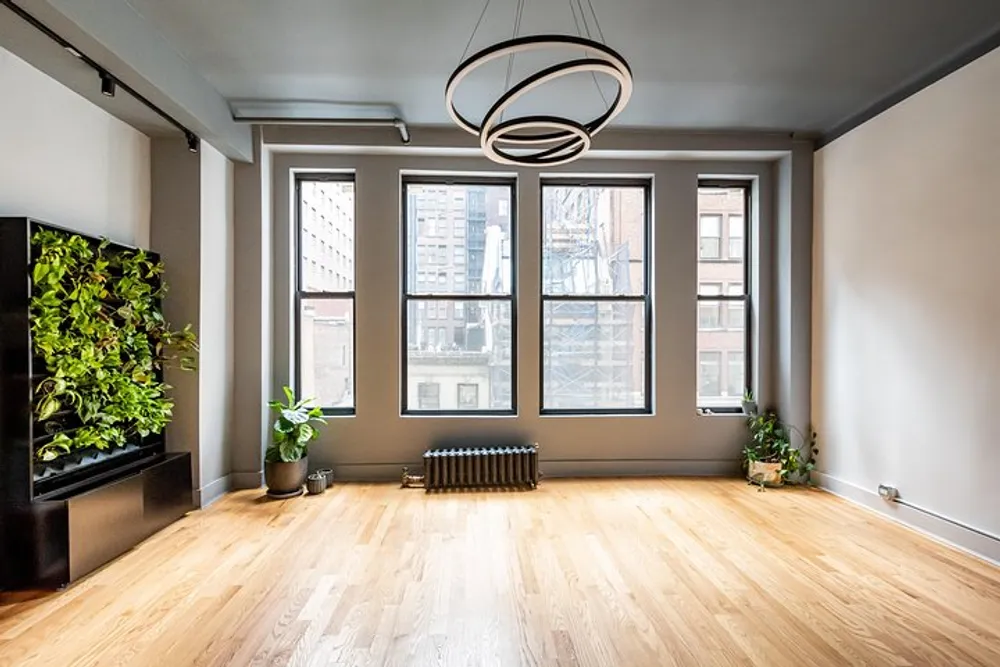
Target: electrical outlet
(888,492)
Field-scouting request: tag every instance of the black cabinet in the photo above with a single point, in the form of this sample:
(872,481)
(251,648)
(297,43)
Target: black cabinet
(61,520)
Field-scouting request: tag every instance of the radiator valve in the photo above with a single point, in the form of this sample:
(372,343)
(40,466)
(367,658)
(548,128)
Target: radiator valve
(410,481)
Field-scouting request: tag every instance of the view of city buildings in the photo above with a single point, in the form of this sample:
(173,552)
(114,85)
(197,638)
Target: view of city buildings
(459,296)
(593,245)
(459,346)
(721,324)
(326,292)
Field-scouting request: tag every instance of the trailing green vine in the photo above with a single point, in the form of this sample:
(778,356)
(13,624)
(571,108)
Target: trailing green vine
(97,327)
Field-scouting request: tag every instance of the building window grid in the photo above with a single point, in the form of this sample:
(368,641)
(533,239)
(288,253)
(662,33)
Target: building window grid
(467,302)
(306,269)
(645,298)
(735,302)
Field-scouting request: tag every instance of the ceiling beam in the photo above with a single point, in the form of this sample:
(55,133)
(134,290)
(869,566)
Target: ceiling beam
(127,45)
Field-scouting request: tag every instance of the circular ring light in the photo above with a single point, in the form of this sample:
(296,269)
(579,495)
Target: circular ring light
(567,132)
(572,138)
(577,145)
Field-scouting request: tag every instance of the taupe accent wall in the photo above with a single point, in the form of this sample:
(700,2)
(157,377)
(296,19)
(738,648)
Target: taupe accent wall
(378,440)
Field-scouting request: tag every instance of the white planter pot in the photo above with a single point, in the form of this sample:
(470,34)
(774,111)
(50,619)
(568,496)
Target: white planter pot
(768,474)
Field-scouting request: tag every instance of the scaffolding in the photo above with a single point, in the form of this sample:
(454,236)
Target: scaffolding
(588,344)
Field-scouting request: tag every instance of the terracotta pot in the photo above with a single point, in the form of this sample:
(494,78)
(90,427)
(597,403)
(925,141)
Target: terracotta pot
(285,480)
(768,474)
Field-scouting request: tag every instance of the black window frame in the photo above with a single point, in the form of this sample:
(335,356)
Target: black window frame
(301,294)
(745,298)
(407,296)
(646,298)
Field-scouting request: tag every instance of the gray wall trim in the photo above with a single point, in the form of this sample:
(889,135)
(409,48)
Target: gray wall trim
(247,480)
(381,472)
(948,66)
(943,531)
(212,491)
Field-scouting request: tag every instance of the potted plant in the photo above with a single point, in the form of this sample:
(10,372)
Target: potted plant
(286,461)
(748,404)
(770,458)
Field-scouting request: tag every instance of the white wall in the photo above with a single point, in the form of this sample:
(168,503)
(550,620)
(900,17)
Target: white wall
(68,162)
(906,318)
(215,374)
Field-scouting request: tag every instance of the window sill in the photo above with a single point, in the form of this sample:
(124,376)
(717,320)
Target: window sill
(720,412)
(460,414)
(640,412)
(339,412)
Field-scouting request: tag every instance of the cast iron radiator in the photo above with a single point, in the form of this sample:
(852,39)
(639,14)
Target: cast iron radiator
(480,467)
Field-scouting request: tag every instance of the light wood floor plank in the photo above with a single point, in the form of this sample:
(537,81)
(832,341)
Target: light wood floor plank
(658,572)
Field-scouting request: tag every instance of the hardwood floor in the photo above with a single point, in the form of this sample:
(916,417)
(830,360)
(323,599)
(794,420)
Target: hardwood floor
(607,573)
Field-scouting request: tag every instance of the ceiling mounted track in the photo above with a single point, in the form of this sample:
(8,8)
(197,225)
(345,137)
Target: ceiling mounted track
(108,82)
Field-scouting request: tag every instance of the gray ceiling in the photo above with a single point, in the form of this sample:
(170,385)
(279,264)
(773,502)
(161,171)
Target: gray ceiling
(803,65)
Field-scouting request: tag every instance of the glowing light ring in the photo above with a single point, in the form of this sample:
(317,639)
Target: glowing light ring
(576,146)
(569,137)
(567,132)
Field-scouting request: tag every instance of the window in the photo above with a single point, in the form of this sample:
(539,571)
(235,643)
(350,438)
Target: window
(429,395)
(735,237)
(324,299)
(473,359)
(735,315)
(709,312)
(723,296)
(596,306)
(468,396)
(710,232)
(734,374)
(709,377)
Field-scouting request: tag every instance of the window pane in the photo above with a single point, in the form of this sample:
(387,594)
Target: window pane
(710,236)
(735,237)
(735,317)
(428,396)
(326,351)
(327,236)
(467,249)
(472,347)
(709,376)
(717,386)
(593,240)
(716,205)
(734,374)
(594,355)
(709,315)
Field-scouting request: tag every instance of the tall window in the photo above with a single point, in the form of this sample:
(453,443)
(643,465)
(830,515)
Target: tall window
(596,307)
(458,326)
(723,326)
(324,290)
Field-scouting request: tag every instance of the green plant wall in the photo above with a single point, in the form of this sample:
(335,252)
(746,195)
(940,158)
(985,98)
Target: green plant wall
(98,329)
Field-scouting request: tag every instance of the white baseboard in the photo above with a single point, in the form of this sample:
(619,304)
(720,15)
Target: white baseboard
(247,480)
(381,472)
(212,491)
(941,530)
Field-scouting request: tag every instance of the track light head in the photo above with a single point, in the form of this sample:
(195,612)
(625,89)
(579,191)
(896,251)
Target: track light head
(193,142)
(108,84)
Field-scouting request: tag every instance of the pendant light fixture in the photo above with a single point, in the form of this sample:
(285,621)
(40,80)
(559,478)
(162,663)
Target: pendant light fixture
(549,139)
